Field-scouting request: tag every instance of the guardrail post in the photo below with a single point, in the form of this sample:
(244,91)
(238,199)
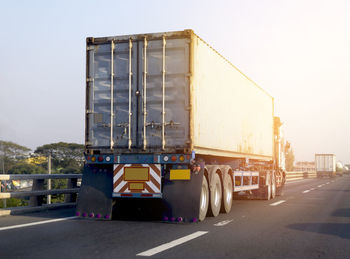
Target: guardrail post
(38,184)
(3,189)
(71,197)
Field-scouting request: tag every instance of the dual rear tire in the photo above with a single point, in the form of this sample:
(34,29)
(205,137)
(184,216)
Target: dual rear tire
(215,196)
(216,199)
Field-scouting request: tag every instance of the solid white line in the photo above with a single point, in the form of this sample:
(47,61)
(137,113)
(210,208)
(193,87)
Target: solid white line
(171,244)
(306,191)
(223,223)
(277,203)
(36,223)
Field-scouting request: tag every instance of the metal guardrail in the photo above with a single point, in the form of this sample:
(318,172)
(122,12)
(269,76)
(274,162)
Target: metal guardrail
(293,176)
(38,192)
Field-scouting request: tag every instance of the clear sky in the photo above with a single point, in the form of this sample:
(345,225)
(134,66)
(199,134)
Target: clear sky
(297,50)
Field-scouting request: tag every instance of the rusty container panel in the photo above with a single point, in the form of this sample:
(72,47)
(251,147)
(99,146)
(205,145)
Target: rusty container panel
(232,116)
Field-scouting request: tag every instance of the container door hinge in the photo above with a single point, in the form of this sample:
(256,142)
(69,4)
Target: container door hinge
(89,79)
(92,47)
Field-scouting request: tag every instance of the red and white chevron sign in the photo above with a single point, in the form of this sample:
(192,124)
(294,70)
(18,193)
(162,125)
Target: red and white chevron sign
(137,178)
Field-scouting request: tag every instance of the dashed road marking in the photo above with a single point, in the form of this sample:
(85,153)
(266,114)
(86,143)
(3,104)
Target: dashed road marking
(328,183)
(306,191)
(36,223)
(312,189)
(319,186)
(223,223)
(277,203)
(171,244)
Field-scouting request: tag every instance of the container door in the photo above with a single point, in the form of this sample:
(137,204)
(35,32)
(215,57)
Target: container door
(164,109)
(138,95)
(99,96)
(110,102)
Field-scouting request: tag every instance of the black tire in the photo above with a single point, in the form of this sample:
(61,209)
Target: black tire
(273,185)
(204,200)
(227,194)
(215,196)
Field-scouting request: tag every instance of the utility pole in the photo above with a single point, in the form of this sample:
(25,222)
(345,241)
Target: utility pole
(3,159)
(49,180)
(3,172)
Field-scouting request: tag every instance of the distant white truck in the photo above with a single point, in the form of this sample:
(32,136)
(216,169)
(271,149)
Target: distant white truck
(325,165)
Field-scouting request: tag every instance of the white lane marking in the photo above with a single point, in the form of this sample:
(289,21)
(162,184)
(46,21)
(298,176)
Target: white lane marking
(312,189)
(319,186)
(306,191)
(171,244)
(36,223)
(277,203)
(296,181)
(328,183)
(223,223)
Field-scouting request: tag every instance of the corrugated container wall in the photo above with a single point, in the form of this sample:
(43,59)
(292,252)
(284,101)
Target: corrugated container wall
(170,92)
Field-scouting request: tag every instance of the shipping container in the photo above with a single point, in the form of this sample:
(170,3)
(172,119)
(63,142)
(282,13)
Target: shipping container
(172,92)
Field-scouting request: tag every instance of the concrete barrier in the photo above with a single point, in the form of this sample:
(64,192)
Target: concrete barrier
(293,176)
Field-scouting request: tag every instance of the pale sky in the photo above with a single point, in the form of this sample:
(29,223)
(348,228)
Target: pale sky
(297,50)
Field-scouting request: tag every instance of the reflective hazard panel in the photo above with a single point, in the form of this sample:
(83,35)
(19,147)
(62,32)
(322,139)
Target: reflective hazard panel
(180,174)
(136,178)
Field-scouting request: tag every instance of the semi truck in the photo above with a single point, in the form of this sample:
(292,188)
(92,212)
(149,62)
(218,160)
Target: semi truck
(169,118)
(325,165)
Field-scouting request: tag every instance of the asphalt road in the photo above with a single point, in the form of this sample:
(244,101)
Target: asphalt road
(311,220)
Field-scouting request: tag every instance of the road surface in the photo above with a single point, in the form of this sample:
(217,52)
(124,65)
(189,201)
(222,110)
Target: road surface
(311,220)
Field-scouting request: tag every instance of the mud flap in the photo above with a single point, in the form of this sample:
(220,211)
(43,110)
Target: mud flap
(95,194)
(181,198)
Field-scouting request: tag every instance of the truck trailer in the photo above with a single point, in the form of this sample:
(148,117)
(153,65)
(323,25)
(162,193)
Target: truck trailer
(169,118)
(325,165)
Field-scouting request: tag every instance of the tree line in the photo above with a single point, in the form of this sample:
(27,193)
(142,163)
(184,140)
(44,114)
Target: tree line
(18,159)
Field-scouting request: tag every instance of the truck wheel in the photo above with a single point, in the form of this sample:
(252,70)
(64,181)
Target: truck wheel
(266,195)
(215,196)
(227,194)
(273,185)
(204,200)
